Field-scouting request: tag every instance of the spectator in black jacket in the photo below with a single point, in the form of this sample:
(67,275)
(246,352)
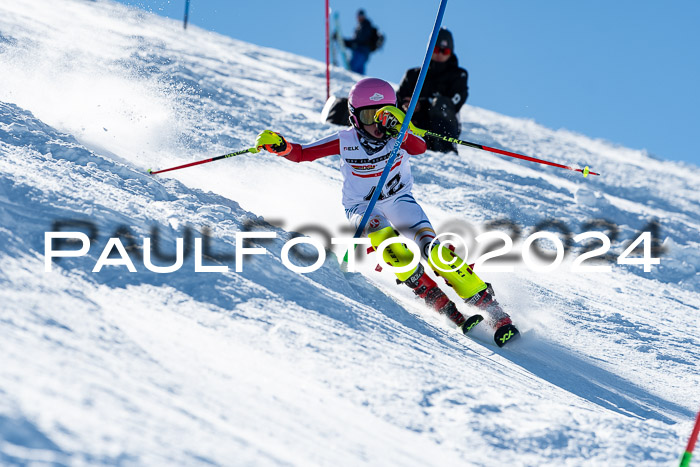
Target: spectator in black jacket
(444,92)
(361,43)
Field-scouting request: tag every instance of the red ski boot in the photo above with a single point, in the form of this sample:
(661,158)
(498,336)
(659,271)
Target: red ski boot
(427,289)
(496,317)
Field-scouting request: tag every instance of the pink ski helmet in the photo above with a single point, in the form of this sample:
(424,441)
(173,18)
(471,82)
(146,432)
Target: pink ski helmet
(368,93)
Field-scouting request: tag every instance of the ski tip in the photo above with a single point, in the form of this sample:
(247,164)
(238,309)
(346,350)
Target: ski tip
(505,334)
(471,322)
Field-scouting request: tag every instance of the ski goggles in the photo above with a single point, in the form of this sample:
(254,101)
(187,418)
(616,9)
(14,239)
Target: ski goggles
(442,50)
(366,115)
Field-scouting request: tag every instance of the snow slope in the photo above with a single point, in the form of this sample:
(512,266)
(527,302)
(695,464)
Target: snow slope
(267,366)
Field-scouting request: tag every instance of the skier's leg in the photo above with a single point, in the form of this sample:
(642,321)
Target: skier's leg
(467,284)
(397,254)
(445,263)
(379,229)
(409,218)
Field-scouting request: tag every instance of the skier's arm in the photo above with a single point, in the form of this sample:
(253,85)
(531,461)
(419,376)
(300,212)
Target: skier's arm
(414,145)
(276,144)
(329,146)
(390,119)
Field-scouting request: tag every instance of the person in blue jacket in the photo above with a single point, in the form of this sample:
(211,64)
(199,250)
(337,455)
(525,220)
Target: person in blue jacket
(361,43)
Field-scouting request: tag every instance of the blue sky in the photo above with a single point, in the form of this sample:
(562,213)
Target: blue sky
(626,71)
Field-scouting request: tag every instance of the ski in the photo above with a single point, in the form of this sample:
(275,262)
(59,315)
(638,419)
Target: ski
(505,334)
(340,43)
(471,322)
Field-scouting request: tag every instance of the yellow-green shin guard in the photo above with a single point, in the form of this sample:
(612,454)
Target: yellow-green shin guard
(463,280)
(396,254)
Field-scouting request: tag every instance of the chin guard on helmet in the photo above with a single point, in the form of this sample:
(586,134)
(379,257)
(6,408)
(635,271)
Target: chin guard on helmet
(389,119)
(366,95)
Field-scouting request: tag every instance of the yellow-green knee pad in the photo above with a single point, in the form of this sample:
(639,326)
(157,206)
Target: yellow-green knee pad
(465,282)
(396,254)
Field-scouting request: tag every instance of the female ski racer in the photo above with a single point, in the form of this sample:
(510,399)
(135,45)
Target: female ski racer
(364,149)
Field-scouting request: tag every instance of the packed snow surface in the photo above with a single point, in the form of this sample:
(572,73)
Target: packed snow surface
(267,366)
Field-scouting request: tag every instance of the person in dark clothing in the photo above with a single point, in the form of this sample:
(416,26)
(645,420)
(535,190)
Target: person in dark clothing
(360,44)
(444,92)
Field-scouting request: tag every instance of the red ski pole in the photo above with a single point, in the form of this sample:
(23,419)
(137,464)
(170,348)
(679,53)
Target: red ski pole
(401,117)
(585,171)
(685,460)
(238,153)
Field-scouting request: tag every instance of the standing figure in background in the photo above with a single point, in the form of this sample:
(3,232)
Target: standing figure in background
(444,92)
(364,42)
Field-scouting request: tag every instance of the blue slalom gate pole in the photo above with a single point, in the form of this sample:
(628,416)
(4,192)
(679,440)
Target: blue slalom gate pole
(187,14)
(404,127)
